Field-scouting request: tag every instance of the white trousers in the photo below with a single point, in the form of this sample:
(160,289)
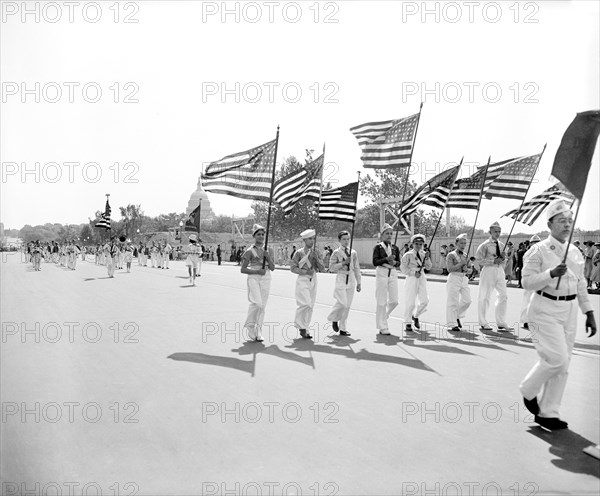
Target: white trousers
(306,295)
(343,294)
(525,304)
(415,290)
(458,297)
(492,277)
(554,324)
(110,265)
(258,294)
(386,295)
(166,261)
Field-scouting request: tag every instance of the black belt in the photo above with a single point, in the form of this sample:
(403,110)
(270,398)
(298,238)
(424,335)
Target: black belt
(557,298)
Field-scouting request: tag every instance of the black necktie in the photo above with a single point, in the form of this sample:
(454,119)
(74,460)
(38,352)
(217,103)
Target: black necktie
(419,259)
(497,249)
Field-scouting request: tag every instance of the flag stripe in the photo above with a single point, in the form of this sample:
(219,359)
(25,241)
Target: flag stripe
(339,203)
(434,192)
(386,143)
(303,183)
(532,209)
(105,217)
(514,178)
(246,174)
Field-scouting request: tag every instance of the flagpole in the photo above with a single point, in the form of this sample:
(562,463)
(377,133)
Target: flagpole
(523,200)
(406,181)
(353,224)
(320,195)
(109,221)
(445,203)
(271,198)
(479,204)
(569,242)
(199,220)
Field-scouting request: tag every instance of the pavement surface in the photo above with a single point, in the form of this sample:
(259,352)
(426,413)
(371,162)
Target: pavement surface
(144,384)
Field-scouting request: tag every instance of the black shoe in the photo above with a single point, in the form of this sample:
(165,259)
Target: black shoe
(459,324)
(416,322)
(551,423)
(455,329)
(304,334)
(408,328)
(532,405)
(344,333)
(335,326)
(525,325)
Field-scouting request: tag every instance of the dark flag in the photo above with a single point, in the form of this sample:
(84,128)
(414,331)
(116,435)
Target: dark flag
(192,224)
(339,203)
(105,217)
(574,155)
(245,174)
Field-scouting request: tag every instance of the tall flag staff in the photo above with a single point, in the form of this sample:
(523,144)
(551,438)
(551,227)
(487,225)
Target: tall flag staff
(573,160)
(445,203)
(479,204)
(389,144)
(320,196)
(406,180)
(353,224)
(248,174)
(192,224)
(271,199)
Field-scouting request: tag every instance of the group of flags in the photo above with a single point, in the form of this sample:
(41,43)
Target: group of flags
(248,175)
(389,144)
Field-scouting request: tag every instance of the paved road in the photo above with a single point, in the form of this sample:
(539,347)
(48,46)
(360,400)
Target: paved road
(142,384)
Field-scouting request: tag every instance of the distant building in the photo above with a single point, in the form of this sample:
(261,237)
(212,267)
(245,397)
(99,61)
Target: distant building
(206,212)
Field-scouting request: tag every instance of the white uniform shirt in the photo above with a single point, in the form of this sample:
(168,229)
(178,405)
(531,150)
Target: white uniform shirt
(411,265)
(335,263)
(486,253)
(542,258)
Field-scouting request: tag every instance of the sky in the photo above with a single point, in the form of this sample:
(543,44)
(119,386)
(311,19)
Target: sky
(137,109)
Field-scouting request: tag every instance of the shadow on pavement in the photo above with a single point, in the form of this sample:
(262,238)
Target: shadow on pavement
(308,345)
(253,348)
(568,446)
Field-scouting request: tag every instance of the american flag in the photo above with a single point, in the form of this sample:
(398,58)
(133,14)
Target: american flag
(105,217)
(339,203)
(387,143)
(531,210)
(302,183)
(434,192)
(515,178)
(467,191)
(246,174)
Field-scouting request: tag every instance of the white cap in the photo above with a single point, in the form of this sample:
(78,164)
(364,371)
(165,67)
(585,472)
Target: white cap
(309,233)
(556,207)
(193,237)
(414,237)
(534,238)
(461,236)
(495,224)
(386,227)
(256,228)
